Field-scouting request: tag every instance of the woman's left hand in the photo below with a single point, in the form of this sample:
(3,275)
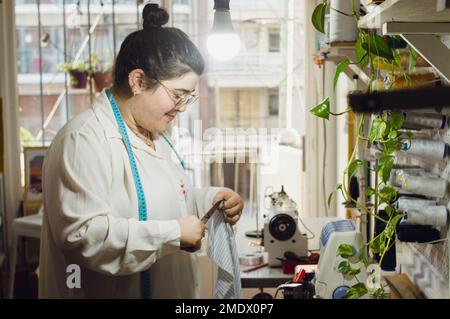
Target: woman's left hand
(233,205)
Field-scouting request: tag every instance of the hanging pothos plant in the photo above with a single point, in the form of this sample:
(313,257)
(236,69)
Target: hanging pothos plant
(375,53)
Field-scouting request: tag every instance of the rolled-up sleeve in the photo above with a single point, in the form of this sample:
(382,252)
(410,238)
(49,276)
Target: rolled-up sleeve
(77,179)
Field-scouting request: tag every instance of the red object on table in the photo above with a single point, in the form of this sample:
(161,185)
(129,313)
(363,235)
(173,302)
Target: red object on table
(300,275)
(288,266)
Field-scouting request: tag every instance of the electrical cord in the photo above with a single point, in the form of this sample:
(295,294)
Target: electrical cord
(307,229)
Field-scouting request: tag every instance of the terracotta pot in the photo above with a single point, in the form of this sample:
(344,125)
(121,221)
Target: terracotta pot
(78,80)
(102,80)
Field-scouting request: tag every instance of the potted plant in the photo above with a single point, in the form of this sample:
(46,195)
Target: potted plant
(78,71)
(101,71)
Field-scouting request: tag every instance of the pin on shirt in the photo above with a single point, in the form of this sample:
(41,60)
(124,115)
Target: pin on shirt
(183,189)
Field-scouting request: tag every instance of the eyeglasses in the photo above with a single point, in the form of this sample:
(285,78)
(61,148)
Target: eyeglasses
(181,99)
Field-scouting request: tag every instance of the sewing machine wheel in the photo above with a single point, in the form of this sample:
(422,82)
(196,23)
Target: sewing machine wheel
(282,227)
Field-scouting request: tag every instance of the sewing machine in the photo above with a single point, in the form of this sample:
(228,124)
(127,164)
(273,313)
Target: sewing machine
(329,283)
(281,233)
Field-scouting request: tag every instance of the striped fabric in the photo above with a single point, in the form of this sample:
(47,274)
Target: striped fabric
(222,250)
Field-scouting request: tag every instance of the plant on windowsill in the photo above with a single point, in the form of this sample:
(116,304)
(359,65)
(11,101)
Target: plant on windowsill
(379,55)
(101,71)
(78,71)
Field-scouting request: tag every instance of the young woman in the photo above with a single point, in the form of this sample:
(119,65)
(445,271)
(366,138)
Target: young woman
(120,216)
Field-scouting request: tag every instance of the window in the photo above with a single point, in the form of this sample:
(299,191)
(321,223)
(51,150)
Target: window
(274,40)
(51,32)
(273,102)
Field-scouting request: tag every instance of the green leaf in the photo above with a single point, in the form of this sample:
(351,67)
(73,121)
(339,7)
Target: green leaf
(385,167)
(318,17)
(344,267)
(345,251)
(377,244)
(391,225)
(377,130)
(388,194)
(397,59)
(413,55)
(377,46)
(389,209)
(339,69)
(396,120)
(361,54)
(322,110)
(362,255)
(353,168)
(329,199)
(357,291)
(391,145)
(353,272)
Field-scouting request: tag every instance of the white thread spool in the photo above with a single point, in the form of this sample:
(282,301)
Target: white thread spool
(431,149)
(343,28)
(407,203)
(431,215)
(251,259)
(423,185)
(424,120)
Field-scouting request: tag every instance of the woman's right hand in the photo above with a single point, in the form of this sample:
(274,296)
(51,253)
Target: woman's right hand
(192,232)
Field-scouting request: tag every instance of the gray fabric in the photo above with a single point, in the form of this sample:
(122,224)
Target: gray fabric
(222,250)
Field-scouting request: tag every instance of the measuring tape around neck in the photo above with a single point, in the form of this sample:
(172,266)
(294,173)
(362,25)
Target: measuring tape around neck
(142,203)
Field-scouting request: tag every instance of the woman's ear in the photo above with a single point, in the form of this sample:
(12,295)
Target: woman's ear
(136,81)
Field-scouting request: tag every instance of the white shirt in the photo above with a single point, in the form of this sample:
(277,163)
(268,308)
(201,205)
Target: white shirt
(91,215)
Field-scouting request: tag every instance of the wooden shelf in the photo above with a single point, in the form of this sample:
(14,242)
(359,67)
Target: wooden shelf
(404,11)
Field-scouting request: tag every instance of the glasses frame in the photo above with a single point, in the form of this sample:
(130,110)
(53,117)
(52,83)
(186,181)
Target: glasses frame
(181,99)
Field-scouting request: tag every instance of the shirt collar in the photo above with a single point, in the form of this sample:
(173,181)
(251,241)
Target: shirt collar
(104,113)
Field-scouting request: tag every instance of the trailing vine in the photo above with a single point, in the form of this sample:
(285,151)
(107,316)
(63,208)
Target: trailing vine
(375,53)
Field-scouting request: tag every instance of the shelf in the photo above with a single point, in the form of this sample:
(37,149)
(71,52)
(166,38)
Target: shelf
(401,99)
(404,11)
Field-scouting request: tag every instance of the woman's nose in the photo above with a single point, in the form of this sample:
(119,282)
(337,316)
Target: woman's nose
(181,108)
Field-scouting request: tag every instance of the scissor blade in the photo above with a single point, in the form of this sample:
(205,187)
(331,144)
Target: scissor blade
(206,217)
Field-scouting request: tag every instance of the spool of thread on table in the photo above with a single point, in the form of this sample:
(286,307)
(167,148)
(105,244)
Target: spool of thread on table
(415,120)
(431,149)
(343,28)
(432,215)
(251,259)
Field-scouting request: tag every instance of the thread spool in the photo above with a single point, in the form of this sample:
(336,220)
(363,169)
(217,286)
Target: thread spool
(343,28)
(407,203)
(431,215)
(419,121)
(251,259)
(423,185)
(431,149)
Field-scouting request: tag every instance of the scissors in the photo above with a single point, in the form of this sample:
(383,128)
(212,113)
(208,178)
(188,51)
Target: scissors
(210,212)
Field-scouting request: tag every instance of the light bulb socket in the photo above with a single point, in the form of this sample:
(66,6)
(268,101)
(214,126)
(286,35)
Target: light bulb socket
(222,5)
(222,23)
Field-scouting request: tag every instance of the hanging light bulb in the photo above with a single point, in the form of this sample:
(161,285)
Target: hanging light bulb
(223,42)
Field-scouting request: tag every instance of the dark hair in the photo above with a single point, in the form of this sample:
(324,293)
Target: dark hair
(162,53)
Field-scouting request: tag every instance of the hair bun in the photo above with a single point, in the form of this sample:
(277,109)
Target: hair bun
(154,16)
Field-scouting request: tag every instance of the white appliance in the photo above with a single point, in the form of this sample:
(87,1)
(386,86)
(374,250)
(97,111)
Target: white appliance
(281,232)
(329,283)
